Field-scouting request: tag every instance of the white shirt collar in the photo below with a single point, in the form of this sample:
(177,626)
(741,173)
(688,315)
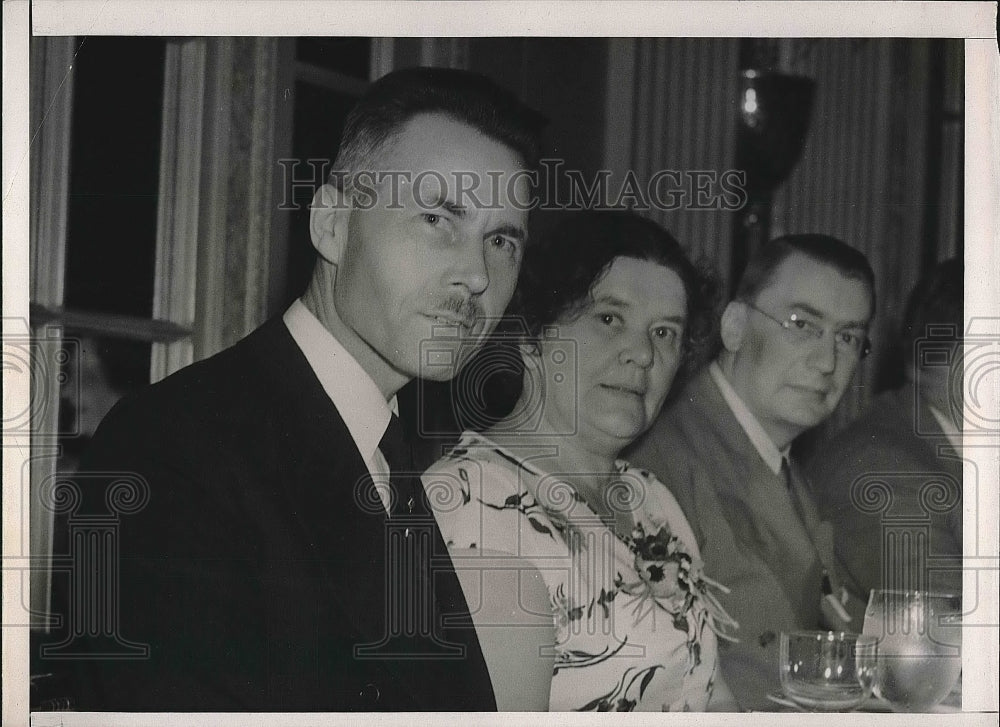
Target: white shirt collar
(355,394)
(952,432)
(760,439)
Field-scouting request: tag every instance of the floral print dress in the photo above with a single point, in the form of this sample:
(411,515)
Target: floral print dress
(636,621)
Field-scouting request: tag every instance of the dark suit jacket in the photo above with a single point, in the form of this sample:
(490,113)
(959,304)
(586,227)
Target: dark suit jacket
(258,563)
(889,474)
(767,545)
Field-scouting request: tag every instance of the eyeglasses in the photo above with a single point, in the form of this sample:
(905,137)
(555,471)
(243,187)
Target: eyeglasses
(849,341)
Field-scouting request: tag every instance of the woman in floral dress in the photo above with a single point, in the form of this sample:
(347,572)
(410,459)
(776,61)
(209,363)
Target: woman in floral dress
(608,310)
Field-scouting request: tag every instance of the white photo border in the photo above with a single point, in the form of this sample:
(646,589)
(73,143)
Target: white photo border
(975,21)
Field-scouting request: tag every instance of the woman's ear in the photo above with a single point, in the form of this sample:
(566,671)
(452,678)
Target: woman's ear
(531,359)
(329,215)
(734,325)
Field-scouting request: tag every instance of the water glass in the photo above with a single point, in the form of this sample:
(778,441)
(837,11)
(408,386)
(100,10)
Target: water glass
(919,646)
(827,671)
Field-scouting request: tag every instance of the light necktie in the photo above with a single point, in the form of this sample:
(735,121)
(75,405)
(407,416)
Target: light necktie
(786,472)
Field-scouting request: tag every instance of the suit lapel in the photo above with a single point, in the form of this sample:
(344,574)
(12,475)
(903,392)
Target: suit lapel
(339,515)
(343,522)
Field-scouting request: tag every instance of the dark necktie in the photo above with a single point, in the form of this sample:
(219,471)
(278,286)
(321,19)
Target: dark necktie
(446,659)
(398,454)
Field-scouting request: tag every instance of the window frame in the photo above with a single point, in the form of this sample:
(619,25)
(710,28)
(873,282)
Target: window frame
(170,328)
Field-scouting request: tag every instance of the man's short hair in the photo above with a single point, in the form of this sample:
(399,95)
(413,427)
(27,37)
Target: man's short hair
(848,261)
(937,300)
(467,97)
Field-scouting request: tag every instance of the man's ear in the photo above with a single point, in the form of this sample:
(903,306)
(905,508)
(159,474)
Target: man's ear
(329,214)
(734,325)
(529,351)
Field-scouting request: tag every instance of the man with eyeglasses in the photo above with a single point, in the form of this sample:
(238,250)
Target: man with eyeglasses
(792,338)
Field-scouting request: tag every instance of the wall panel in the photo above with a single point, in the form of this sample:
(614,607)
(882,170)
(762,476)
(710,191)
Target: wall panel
(682,94)
(861,175)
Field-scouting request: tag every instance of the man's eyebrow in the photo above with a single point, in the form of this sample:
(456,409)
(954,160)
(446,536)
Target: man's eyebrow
(515,231)
(447,205)
(676,319)
(806,308)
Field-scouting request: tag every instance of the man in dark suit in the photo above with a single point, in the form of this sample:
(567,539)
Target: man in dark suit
(792,338)
(894,476)
(270,553)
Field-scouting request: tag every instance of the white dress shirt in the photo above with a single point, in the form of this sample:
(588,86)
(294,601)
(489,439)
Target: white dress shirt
(355,394)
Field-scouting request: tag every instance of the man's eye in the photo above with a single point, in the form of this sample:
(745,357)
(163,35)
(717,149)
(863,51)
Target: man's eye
(502,242)
(608,319)
(802,325)
(431,219)
(667,334)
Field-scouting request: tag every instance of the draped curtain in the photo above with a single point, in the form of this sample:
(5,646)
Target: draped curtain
(671,105)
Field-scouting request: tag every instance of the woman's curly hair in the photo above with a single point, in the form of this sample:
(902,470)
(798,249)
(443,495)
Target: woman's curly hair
(562,268)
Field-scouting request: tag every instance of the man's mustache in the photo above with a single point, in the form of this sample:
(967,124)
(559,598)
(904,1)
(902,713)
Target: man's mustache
(465,310)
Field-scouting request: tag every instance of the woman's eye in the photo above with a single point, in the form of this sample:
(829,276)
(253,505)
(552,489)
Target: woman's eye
(431,219)
(667,334)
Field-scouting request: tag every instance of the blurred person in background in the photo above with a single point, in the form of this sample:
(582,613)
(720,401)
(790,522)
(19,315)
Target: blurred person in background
(906,445)
(101,372)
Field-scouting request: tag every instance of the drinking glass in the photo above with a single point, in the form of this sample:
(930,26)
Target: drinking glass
(827,671)
(919,646)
